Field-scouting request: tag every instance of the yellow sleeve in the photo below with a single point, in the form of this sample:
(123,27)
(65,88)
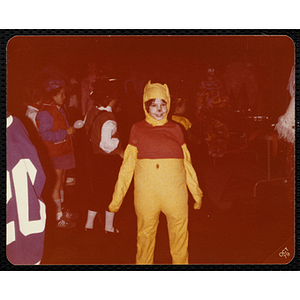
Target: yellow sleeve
(191,178)
(124,178)
(183,121)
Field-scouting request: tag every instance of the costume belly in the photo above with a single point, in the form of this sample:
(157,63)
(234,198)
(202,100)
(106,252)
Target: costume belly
(161,182)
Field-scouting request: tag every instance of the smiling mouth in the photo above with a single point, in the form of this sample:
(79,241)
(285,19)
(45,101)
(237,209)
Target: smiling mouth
(159,116)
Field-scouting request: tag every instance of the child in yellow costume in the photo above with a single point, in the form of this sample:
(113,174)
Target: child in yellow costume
(158,158)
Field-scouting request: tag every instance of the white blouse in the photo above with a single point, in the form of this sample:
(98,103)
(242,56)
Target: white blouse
(109,128)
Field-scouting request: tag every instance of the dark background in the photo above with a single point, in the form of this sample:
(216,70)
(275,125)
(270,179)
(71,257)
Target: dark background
(174,58)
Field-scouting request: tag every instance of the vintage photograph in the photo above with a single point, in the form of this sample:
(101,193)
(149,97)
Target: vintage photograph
(150,150)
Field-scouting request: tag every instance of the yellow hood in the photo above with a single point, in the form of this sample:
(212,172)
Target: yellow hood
(152,91)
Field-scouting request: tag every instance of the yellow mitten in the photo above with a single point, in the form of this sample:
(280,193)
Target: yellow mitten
(197,205)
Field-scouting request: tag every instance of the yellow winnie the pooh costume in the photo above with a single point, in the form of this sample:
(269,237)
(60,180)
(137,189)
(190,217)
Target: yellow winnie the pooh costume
(158,158)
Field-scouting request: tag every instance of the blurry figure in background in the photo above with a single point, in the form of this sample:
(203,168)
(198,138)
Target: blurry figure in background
(33,101)
(286,122)
(34,98)
(105,153)
(241,86)
(25,209)
(86,89)
(33,107)
(211,100)
(56,134)
(132,112)
(34,93)
(72,109)
(74,100)
(134,84)
(133,91)
(179,115)
(158,158)
(286,130)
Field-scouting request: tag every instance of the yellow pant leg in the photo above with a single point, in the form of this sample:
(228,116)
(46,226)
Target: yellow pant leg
(146,235)
(178,235)
(160,185)
(147,208)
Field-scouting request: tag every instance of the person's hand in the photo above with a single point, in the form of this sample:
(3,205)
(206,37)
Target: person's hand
(110,208)
(197,205)
(71,130)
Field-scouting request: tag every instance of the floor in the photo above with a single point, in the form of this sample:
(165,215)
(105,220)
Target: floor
(232,228)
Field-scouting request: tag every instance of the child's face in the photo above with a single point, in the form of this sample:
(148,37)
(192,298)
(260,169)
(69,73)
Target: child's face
(60,97)
(158,109)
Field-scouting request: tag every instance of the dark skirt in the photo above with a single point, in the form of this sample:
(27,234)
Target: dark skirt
(64,162)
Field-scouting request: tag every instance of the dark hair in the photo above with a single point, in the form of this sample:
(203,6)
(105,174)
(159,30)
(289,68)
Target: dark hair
(48,97)
(104,91)
(103,102)
(33,94)
(149,102)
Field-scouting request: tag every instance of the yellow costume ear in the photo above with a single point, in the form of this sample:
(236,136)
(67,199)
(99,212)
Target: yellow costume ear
(167,89)
(147,85)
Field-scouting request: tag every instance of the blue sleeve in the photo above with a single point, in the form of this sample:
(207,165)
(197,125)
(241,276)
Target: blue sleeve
(46,122)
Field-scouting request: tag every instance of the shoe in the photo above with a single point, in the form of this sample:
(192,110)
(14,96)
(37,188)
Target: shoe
(116,231)
(66,224)
(70,215)
(70,181)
